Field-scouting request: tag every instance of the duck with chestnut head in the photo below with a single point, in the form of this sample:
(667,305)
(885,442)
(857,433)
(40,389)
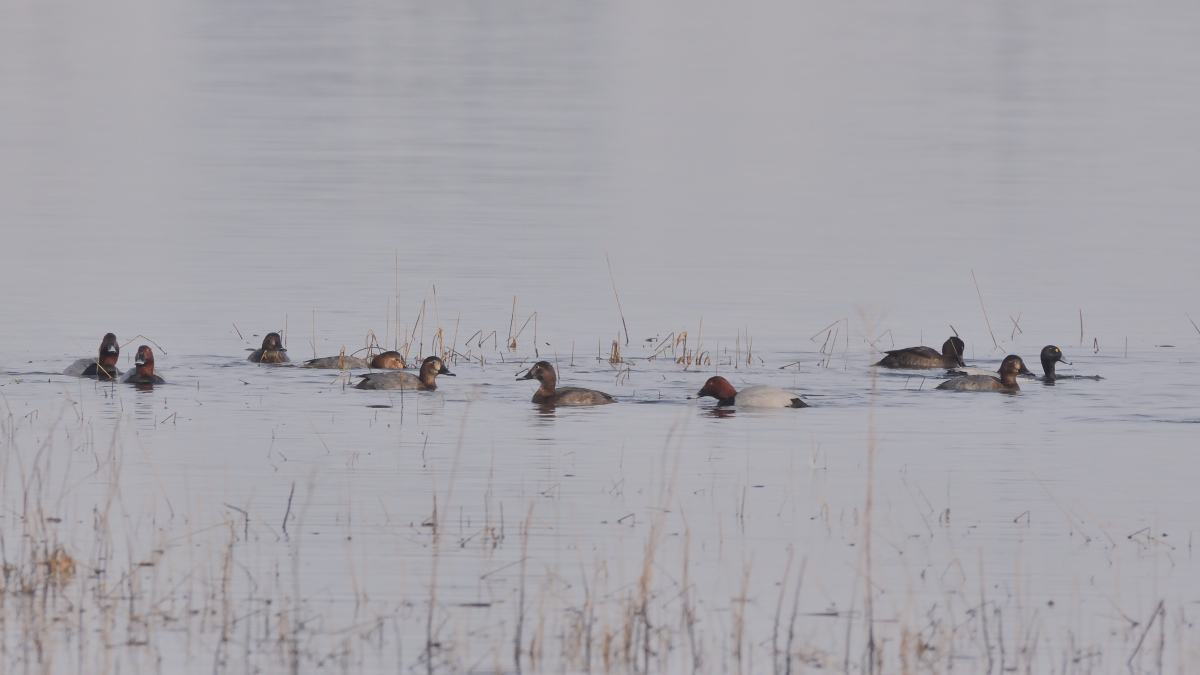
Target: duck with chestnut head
(143,373)
(103,366)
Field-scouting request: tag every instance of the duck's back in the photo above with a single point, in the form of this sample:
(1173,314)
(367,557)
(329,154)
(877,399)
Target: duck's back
(763,396)
(974,383)
(91,368)
(581,396)
(394,380)
(337,362)
(913,357)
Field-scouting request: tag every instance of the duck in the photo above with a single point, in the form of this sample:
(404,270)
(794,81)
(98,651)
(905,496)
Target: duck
(104,366)
(1006,382)
(386,361)
(758,396)
(1022,371)
(1050,356)
(272,351)
(549,394)
(431,367)
(926,357)
(144,368)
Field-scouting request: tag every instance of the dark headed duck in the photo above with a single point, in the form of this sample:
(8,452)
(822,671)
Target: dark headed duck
(272,351)
(549,394)
(926,357)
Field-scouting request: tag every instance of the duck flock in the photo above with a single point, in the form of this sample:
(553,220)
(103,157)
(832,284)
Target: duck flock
(386,373)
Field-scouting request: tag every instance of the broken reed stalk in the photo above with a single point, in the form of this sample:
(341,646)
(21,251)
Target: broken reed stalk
(1158,610)
(985,316)
(396,254)
(314,336)
(618,297)
(1080,326)
(521,595)
(511,320)
(1016,326)
(1189,318)
(868,599)
(437,317)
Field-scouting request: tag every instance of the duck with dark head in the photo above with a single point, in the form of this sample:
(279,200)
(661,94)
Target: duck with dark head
(103,366)
(551,394)
(272,351)
(926,357)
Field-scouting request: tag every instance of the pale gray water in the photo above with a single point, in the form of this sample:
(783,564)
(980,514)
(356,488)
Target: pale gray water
(173,170)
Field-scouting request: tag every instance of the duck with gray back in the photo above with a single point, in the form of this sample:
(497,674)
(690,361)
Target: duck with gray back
(272,351)
(550,394)
(926,357)
(1006,382)
(103,366)
(431,367)
(758,396)
(384,361)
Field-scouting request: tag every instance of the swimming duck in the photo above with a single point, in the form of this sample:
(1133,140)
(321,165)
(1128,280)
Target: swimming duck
(1006,382)
(384,361)
(926,357)
(1023,371)
(431,367)
(1050,356)
(547,393)
(272,351)
(104,366)
(144,371)
(758,396)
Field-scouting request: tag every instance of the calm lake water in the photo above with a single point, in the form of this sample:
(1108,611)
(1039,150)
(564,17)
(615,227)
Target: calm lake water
(809,183)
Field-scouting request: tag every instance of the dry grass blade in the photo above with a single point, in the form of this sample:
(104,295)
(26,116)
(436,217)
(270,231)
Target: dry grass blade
(618,297)
(985,316)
